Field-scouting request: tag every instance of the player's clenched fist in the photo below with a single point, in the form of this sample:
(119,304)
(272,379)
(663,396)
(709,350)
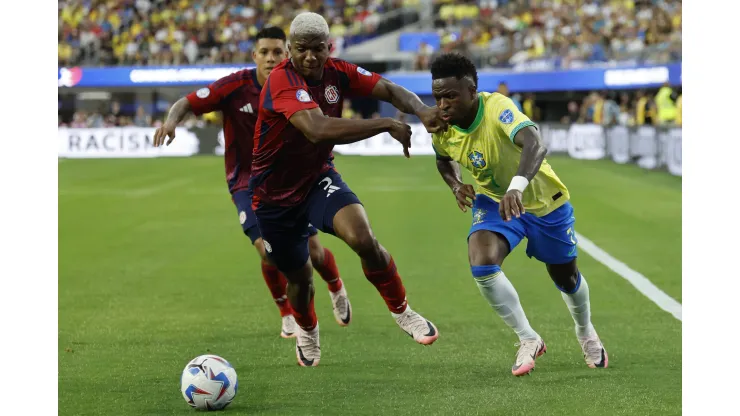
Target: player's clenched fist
(401,132)
(432,119)
(167,129)
(465,195)
(511,204)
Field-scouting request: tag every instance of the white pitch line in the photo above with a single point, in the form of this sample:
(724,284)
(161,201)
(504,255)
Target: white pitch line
(640,282)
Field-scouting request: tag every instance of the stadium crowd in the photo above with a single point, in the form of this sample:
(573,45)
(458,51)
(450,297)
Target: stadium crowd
(506,32)
(512,32)
(178,32)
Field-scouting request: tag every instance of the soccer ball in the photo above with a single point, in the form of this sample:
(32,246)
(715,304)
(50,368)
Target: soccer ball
(208,382)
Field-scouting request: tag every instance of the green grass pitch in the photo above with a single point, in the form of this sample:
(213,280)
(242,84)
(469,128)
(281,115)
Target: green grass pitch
(154,270)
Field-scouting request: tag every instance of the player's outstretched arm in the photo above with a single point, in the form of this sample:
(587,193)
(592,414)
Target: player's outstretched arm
(450,171)
(319,128)
(175,116)
(533,153)
(409,103)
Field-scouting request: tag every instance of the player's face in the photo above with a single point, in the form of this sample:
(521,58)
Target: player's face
(309,54)
(267,54)
(455,97)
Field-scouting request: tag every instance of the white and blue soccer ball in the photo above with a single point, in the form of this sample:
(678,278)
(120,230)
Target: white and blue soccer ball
(208,382)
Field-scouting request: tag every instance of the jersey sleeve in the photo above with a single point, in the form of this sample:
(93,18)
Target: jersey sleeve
(286,93)
(210,98)
(509,119)
(357,81)
(439,149)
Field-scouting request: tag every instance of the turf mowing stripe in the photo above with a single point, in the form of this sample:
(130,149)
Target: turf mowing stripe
(640,282)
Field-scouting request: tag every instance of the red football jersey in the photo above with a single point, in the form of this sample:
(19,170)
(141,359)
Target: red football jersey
(237,97)
(285,163)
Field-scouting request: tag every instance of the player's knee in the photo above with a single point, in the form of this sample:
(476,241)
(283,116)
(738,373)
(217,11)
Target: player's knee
(363,242)
(484,248)
(260,247)
(565,276)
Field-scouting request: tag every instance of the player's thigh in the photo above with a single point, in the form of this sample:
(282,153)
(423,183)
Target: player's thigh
(284,236)
(552,238)
(247,218)
(486,248)
(334,209)
(491,238)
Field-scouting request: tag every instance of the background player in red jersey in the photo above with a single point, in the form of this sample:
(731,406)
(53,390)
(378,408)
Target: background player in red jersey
(294,185)
(237,97)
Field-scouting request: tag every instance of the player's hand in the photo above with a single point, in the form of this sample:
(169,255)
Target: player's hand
(462,193)
(401,132)
(432,119)
(511,205)
(167,129)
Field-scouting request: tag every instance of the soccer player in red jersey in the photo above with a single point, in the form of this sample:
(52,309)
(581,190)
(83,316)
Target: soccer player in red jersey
(237,97)
(294,185)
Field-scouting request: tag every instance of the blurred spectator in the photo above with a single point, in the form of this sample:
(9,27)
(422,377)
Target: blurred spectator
(574,114)
(665,105)
(347,111)
(142,119)
(679,101)
(644,109)
(503,89)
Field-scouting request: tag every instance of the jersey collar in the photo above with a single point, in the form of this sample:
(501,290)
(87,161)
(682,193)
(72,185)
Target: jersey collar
(478,118)
(256,81)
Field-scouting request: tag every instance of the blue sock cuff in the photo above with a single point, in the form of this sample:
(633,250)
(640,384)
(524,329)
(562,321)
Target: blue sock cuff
(578,285)
(486,270)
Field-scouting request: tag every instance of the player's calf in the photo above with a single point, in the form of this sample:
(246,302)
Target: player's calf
(575,292)
(325,265)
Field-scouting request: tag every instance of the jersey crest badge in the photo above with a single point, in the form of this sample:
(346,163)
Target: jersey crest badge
(363,71)
(203,93)
(332,94)
(506,116)
(476,158)
(303,96)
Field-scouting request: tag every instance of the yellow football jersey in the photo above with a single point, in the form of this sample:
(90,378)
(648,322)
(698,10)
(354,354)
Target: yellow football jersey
(487,150)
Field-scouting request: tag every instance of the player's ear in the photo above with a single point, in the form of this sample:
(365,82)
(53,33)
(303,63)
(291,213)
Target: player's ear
(254,55)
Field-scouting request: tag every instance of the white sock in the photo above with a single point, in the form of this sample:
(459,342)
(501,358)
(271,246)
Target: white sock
(501,295)
(580,309)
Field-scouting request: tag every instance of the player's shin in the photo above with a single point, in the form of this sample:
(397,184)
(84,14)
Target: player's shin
(579,305)
(277,284)
(301,294)
(389,285)
(503,298)
(328,270)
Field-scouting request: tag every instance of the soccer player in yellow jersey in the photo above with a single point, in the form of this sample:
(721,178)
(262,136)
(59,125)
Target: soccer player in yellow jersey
(517,195)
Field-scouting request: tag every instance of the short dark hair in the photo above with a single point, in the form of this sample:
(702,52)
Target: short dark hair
(270,32)
(453,64)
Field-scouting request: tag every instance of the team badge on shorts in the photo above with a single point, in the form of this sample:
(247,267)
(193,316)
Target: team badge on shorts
(203,93)
(478,216)
(506,116)
(476,158)
(242,217)
(302,96)
(332,94)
